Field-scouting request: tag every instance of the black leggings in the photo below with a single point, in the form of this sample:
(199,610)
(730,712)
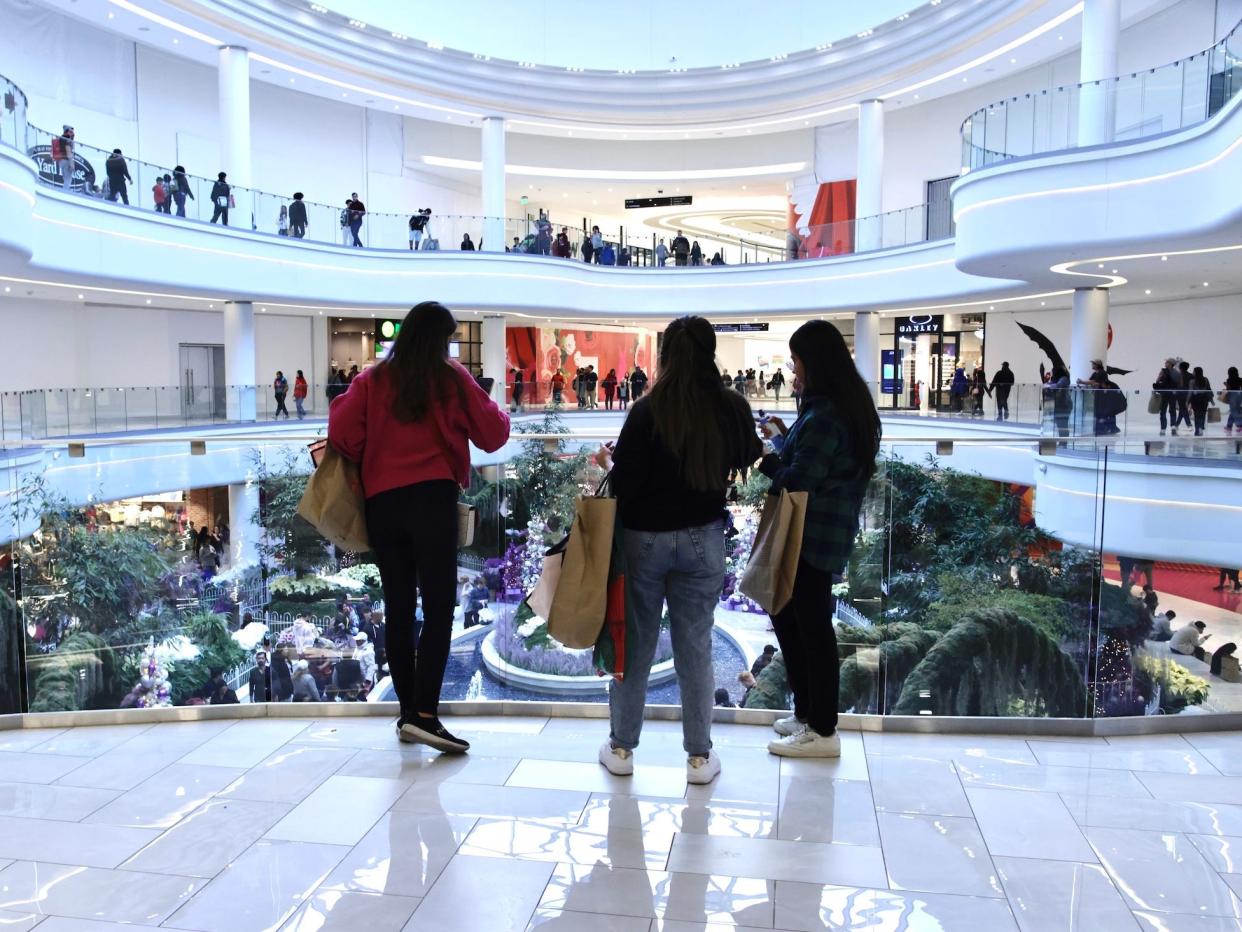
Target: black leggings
(809,648)
(413,532)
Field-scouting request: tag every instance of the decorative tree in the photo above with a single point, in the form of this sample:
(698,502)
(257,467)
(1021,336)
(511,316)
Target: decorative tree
(988,663)
(876,663)
(153,679)
(771,689)
(546,478)
(288,538)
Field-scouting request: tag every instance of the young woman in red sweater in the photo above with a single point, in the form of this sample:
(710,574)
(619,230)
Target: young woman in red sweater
(406,422)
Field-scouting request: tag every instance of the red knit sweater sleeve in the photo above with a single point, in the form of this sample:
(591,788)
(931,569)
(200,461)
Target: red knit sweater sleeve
(487,425)
(347,420)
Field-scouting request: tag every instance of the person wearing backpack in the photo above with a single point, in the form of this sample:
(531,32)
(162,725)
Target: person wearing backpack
(181,189)
(418,223)
(221,199)
(681,249)
(297,217)
(280,389)
(62,155)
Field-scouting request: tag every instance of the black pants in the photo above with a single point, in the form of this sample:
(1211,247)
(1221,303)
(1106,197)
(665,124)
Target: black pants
(353,231)
(413,532)
(119,190)
(809,647)
(298,230)
(280,405)
(609,393)
(1168,410)
(1002,402)
(221,214)
(1200,410)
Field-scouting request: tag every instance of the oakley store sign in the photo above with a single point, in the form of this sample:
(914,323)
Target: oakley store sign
(920,323)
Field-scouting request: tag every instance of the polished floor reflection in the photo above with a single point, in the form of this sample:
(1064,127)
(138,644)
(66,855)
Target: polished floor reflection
(290,824)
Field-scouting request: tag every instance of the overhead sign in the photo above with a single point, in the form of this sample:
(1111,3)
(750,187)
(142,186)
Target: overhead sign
(83,171)
(920,323)
(740,328)
(682,200)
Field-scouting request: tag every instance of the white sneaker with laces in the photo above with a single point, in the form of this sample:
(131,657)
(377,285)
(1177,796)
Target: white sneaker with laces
(787,726)
(807,743)
(700,770)
(617,761)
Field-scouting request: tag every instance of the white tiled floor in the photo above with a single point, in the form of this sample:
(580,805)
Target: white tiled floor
(296,825)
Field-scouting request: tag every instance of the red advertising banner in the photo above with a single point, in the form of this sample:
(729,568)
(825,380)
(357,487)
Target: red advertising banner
(539,352)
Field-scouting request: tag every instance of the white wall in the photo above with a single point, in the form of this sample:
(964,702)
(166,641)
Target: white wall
(67,344)
(1203,331)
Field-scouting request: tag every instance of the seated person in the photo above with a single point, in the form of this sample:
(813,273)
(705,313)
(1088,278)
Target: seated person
(1188,638)
(722,699)
(1218,658)
(1162,626)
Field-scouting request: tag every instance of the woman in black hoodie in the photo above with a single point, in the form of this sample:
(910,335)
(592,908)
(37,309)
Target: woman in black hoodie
(221,199)
(181,189)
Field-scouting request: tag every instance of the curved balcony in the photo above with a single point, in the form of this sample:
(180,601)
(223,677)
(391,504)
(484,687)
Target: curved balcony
(1140,105)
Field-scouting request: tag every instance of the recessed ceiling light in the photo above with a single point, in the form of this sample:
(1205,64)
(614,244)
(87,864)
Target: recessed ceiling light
(1146,291)
(1114,271)
(148,300)
(1101,265)
(1205,284)
(1042,303)
(111,14)
(7,289)
(81,297)
(1164,258)
(176,41)
(1013,61)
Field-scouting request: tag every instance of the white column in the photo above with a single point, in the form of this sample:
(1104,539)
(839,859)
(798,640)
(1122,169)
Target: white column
(1097,103)
(1089,331)
(239,360)
(244,529)
(493,335)
(923,370)
(234,84)
(493,184)
(867,349)
(869,197)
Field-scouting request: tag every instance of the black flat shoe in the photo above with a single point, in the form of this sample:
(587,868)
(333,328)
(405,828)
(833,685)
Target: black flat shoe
(430,732)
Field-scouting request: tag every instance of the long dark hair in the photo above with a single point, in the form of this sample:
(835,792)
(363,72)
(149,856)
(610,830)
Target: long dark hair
(418,364)
(686,390)
(829,372)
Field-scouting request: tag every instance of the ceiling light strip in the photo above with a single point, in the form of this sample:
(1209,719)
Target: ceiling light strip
(166,22)
(697,174)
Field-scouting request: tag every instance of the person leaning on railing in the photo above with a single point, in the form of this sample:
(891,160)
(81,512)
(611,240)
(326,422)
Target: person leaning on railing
(407,421)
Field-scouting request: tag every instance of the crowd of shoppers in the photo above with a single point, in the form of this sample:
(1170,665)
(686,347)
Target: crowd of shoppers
(1183,395)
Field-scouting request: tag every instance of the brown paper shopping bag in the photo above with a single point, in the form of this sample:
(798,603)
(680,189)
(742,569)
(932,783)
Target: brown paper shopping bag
(334,502)
(576,615)
(773,564)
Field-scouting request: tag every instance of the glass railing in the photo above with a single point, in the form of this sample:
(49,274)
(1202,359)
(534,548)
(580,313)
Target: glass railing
(12,115)
(146,186)
(1132,106)
(967,593)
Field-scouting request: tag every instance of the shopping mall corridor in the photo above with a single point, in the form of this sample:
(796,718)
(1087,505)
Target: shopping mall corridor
(297,823)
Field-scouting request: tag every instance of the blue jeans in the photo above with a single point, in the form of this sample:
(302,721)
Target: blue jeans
(685,567)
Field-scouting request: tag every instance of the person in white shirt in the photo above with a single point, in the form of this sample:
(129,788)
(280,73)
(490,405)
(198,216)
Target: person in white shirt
(364,653)
(1188,638)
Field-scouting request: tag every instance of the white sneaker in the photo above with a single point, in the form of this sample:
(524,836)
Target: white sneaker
(807,743)
(700,770)
(617,761)
(787,726)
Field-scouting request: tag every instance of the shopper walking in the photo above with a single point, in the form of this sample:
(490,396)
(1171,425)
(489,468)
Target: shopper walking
(519,388)
(280,390)
(638,383)
(282,221)
(681,249)
(117,170)
(1165,386)
(1183,394)
(297,216)
(623,391)
(221,199)
(1232,396)
(1199,390)
(670,471)
(418,224)
(829,452)
(357,210)
(610,388)
(591,380)
(300,388)
(159,194)
(408,421)
(466,244)
(661,254)
(561,247)
(1002,385)
(181,189)
(777,382)
(696,253)
(62,155)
